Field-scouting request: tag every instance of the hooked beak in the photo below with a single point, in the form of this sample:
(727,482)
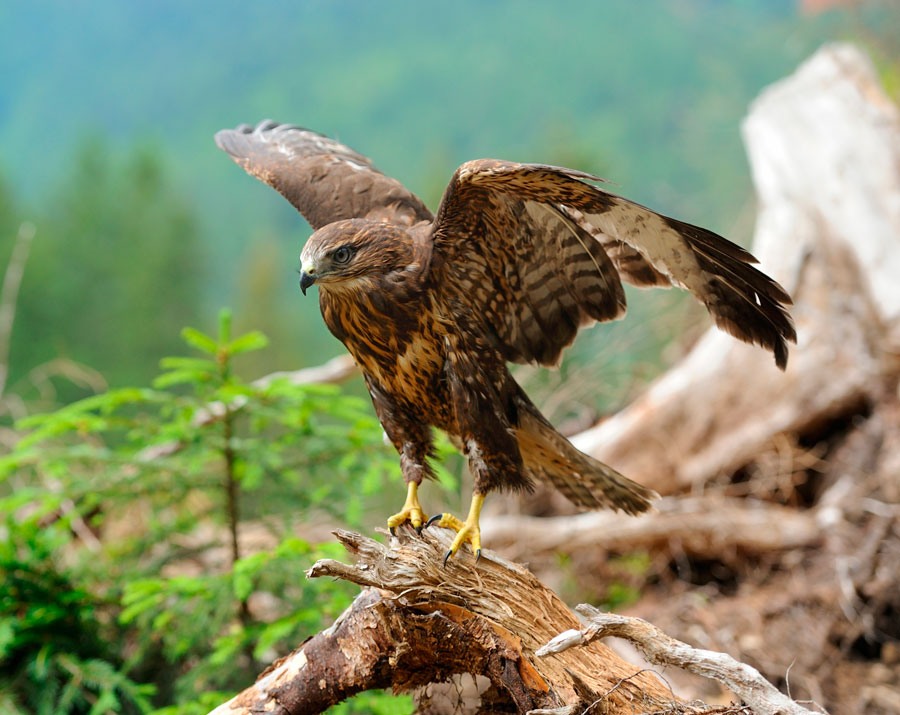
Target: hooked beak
(307,278)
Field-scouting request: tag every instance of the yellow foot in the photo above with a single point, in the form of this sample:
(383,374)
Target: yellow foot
(411,511)
(466,531)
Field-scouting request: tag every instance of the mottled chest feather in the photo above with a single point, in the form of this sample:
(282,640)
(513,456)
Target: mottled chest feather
(394,337)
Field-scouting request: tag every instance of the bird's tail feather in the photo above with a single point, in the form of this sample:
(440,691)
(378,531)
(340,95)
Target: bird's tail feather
(586,482)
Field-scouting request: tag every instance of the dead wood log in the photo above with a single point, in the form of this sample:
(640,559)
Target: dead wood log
(338,369)
(824,148)
(703,527)
(661,649)
(418,622)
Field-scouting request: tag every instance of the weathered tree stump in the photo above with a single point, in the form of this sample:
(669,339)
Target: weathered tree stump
(479,625)
(824,149)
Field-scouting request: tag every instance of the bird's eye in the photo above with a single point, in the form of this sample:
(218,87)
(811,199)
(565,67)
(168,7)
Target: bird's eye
(342,255)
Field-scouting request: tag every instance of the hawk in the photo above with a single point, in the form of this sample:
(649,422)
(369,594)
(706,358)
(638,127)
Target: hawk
(517,259)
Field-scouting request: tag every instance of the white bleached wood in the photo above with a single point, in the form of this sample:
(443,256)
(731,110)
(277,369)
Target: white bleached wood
(824,148)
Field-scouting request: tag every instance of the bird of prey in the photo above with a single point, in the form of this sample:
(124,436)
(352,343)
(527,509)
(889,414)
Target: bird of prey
(516,260)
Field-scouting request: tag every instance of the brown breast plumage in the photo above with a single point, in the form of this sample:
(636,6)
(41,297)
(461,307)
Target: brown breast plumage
(396,344)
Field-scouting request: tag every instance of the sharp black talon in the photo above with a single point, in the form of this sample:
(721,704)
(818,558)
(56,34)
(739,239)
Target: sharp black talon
(391,529)
(436,517)
(477,555)
(447,557)
(419,528)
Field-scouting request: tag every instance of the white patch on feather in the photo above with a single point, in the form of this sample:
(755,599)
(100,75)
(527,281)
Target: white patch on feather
(476,461)
(354,164)
(655,240)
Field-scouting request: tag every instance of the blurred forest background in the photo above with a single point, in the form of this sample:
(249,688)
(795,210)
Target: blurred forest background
(142,225)
(127,225)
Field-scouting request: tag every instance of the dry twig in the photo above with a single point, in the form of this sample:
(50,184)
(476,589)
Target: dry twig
(9,294)
(661,649)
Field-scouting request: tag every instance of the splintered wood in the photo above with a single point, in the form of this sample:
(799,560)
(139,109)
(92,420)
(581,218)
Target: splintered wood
(418,623)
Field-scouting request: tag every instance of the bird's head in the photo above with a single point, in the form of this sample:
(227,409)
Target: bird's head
(345,253)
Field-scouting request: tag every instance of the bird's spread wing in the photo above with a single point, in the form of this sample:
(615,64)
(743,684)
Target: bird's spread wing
(536,252)
(325,180)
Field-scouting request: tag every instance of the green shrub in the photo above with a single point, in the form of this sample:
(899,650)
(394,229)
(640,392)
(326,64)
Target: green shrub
(126,583)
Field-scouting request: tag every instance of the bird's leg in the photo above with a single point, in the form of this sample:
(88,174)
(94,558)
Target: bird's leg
(466,531)
(413,442)
(411,511)
(479,386)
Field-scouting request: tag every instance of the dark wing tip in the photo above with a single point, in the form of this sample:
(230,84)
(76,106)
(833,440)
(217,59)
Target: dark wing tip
(765,323)
(743,300)
(781,354)
(787,333)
